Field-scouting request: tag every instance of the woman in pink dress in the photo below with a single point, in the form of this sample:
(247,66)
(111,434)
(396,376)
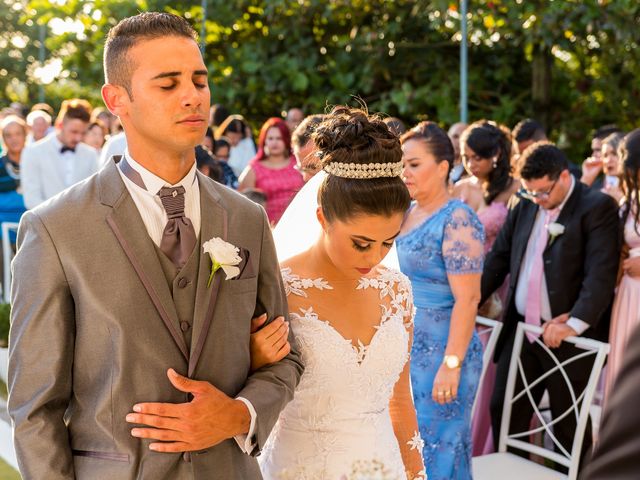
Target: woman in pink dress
(626,308)
(486,155)
(272,171)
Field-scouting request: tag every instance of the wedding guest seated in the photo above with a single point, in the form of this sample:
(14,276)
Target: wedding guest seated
(592,166)
(611,167)
(294,118)
(304,148)
(273,170)
(214,168)
(61,160)
(238,132)
(14,134)
(95,135)
(39,123)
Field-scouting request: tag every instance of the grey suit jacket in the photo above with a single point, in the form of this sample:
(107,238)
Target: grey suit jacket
(94,330)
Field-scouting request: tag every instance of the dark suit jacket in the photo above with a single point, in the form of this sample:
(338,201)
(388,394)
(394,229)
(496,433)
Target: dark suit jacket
(617,454)
(580,265)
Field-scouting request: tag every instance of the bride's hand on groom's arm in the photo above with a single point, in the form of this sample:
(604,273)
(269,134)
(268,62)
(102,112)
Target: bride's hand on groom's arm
(210,418)
(269,344)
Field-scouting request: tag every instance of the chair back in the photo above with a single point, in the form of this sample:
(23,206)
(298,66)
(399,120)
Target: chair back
(581,401)
(488,330)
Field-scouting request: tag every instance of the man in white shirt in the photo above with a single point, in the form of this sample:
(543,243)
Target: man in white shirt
(39,123)
(59,161)
(560,244)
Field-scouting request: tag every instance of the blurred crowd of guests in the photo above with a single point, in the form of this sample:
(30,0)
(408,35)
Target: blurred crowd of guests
(513,180)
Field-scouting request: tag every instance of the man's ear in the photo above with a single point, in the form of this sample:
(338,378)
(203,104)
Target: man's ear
(115,98)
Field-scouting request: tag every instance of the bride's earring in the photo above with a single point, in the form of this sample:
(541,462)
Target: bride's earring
(495,162)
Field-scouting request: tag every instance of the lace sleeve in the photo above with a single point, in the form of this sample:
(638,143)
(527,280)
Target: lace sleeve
(463,242)
(404,418)
(403,412)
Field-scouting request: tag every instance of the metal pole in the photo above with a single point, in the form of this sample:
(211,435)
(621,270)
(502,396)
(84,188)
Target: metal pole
(203,28)
(464,113)
(42,57)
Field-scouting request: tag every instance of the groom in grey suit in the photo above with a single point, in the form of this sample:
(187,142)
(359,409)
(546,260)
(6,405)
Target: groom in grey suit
(129,358)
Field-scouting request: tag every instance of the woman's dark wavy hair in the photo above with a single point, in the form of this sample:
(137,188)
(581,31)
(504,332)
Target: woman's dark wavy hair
(629,155)
(488,139)
(351,135)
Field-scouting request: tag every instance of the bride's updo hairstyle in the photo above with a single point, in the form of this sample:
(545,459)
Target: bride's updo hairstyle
(363,162)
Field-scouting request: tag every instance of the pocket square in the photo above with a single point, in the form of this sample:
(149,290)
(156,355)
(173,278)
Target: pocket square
(246,265)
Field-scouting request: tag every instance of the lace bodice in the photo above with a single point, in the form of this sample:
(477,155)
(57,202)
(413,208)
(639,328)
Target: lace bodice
(341,405)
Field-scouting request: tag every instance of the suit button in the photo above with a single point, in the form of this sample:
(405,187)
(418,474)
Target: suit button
(186,456)
(184,326)
(183,282)
(547,262)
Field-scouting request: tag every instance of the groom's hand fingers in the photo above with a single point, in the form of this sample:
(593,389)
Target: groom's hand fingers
(156,421)
(187,385)
(170,447)
(274,327)
(158,434)
(258,322)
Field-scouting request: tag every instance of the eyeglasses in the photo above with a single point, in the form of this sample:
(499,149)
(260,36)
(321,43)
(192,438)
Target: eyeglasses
(524,193)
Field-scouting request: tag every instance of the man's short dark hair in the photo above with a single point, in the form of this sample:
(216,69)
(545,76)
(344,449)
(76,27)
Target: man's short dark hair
(118,67)
(302,134)
(542,158)
(529,129)
(74,109)
(604,131)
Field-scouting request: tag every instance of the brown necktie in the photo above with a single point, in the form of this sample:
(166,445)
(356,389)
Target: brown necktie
(179,236)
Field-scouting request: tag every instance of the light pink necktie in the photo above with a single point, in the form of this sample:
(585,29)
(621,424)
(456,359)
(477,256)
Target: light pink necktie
(534,285)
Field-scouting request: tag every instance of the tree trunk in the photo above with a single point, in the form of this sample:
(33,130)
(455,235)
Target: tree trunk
(541,65)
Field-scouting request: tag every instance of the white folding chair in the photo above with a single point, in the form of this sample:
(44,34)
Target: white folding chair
(7,256)
(489,329)
(504,465)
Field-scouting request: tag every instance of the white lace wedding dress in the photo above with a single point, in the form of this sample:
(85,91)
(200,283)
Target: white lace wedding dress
(338,425)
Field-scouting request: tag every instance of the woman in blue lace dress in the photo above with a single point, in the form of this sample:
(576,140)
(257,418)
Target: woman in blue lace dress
(441,250)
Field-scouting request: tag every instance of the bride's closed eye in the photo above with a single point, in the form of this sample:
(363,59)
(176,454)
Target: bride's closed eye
(364,248)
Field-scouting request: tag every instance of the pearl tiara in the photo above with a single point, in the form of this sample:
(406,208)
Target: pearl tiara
(364,170)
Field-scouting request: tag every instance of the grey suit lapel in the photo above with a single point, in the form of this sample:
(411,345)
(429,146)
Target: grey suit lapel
(128,228)
(213,224)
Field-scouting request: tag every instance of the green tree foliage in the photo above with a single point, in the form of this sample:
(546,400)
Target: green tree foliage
(571,63)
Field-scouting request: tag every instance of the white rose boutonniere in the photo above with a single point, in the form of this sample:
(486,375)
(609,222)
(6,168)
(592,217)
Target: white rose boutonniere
(555,230)
(223,255)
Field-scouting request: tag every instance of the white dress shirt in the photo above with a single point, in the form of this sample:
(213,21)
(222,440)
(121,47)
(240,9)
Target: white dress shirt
(45,171)
(116,145)
(525,272)
(155,219)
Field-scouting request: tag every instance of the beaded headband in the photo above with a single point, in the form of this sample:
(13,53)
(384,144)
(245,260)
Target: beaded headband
(364,170)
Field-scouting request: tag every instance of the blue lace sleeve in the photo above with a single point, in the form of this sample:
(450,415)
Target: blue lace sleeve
(463,242)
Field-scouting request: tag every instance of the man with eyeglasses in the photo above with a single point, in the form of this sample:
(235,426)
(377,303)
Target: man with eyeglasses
(561,245)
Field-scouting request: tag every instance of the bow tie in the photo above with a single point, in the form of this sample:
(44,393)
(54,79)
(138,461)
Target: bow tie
(67,149)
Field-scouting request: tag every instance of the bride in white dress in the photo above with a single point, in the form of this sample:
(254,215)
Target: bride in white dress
(352,416)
